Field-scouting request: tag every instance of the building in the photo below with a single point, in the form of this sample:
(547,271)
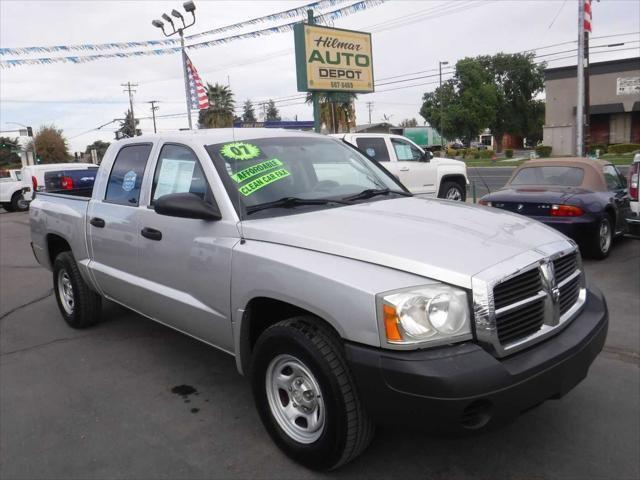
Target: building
(614,88)
(382,127)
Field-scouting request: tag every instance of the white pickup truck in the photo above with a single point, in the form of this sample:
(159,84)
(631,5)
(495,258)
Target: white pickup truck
(417,169)
(347,300)
(12,191)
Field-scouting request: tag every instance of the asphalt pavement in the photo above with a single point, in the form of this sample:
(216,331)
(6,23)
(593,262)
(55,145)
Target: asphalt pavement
(100,403)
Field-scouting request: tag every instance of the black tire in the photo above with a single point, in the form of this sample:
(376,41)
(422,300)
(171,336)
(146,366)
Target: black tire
(7,207)
(18,203)
(347,428)
(596,246)
(452,191)
(87,305)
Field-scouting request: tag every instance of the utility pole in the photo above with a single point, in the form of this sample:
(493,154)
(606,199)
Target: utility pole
(586,70)
(441,107)
(580,81)
(153,113)
(129,88)
(369,107)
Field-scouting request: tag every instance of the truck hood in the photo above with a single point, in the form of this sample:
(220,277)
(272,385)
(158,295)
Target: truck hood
(442,240)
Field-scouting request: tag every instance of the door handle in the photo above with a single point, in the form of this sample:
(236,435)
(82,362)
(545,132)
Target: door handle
(404,169)
(97,222)
(151,233)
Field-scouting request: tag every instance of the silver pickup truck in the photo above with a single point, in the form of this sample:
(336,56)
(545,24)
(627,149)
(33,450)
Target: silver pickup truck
(346,301)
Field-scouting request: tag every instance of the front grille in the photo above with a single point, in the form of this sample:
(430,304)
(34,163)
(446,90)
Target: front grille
(520,287)
(565,266)
(520,322)
(569,295)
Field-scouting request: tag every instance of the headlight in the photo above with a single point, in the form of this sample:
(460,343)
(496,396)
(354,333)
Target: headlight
(433,314)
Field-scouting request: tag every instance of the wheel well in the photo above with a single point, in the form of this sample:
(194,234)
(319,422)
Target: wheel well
(260,314)
(56,245)
(459,179)
(16,193)
(612,215)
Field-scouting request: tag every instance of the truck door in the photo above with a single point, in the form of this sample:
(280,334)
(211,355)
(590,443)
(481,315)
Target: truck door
(113,226)
(418,175)
(185,264)
(376,148)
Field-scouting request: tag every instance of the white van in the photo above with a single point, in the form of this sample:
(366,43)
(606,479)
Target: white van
(33,175)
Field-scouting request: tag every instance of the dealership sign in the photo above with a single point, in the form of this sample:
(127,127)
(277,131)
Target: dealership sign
(333,59)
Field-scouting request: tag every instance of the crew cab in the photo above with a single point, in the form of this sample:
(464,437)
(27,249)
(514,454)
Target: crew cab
(417,169)
(11,191)
(346,300)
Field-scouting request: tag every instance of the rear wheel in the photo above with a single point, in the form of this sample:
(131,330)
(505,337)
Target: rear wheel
(600,243)
(452,191)
(79,305)
(306,396)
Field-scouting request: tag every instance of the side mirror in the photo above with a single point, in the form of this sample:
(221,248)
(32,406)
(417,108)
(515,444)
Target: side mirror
(428,155)
(186,205)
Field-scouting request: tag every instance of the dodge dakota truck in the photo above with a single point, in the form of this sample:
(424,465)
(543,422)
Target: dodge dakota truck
(347,301)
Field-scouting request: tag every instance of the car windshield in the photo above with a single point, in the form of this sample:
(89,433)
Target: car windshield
(561,176)
(266,171)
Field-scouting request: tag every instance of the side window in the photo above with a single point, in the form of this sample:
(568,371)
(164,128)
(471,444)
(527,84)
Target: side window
(376,148)
(178,171)
(126,175)
(612,178)
(405,151)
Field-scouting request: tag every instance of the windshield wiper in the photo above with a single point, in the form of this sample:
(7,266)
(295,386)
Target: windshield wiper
(372,192)
(291,202)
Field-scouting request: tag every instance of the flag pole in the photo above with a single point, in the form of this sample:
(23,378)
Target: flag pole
(580,79)
(186,78)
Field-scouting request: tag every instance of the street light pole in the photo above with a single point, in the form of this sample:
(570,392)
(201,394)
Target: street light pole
(441,107)
(189,7)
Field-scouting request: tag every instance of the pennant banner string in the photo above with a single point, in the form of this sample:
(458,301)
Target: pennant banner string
(291,13)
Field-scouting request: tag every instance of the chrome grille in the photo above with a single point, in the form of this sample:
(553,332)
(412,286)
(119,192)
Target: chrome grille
(514,311)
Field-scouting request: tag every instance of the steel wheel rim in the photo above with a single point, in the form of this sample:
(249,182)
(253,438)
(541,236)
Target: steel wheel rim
(295,399)
(65,291)
(22,203)
(605,236)
(453,194)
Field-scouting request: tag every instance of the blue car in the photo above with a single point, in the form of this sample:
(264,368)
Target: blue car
(585,199)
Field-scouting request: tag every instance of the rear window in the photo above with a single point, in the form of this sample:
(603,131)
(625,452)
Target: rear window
(376,148)
(560,176)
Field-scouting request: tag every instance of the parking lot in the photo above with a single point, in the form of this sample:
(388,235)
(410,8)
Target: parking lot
(98,403)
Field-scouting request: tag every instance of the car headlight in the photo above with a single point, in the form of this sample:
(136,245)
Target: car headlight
(433,314)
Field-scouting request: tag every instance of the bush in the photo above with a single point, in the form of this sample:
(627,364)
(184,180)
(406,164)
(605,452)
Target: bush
(597,146)
(452,152)
(488,153)
(543,151)
(508,152)
(623,148)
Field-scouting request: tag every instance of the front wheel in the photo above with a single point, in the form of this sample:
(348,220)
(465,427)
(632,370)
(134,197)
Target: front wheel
(306,396)
(452,191)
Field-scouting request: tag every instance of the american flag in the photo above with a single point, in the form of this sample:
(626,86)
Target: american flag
(587,16)
(197,93)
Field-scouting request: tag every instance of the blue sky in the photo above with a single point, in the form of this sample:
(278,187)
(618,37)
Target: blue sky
(408,36)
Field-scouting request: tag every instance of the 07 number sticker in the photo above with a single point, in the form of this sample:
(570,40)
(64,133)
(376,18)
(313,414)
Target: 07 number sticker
(240,151)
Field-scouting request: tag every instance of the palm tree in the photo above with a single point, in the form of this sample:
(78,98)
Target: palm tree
(343,113)
(221,106)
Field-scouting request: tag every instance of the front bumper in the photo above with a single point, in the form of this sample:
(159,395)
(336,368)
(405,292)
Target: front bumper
(463,387)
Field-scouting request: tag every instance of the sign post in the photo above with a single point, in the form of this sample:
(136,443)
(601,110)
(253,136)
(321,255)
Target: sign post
(331,61)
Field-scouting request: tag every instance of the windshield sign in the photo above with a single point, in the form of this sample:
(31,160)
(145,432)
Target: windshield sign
(549,176)
(265,170)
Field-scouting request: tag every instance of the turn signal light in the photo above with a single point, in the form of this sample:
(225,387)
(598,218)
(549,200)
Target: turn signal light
(391,321)
(566,211)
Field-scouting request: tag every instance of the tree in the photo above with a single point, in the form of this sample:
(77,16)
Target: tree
(51,145)
(272,112)
(100,147)
(468,102)
(341,111)
(8,147)
(248,112)
(219,114)
(518,81)
(536,122)
(409,123)
(127,128)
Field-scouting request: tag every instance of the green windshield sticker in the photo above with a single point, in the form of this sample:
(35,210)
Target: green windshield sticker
(240,151)
(262,167)
(263,181)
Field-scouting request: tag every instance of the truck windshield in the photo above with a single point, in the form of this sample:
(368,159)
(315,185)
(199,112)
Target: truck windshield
(265,171)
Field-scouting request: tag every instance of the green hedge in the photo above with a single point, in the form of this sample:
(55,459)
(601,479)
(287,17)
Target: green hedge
(486,153)
(508,153)
(543,151)
(623,148)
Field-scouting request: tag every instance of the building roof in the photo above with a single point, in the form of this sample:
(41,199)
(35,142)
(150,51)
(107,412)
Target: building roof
(598,68)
